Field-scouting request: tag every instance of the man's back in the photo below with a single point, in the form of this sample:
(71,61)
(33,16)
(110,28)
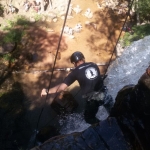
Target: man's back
(87,74)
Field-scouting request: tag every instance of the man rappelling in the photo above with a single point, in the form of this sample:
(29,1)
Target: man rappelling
(91,83)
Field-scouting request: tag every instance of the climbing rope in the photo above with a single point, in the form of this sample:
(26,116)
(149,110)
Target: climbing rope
(117,40)
(53,65)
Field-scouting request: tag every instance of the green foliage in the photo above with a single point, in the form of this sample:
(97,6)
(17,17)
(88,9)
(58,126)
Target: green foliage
(14,31)
(18,21)
(1,10)
(10,24)
(8,57)
(37,17)
(144,9)
(139,33)
(21,20)
(13,35)
(1,94)
(125,41)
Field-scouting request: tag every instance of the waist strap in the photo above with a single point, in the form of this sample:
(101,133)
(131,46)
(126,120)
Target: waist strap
(98,96)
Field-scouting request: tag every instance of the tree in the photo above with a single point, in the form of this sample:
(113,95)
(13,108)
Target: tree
(42,5)
(1,11)
(144,10)
(50,4)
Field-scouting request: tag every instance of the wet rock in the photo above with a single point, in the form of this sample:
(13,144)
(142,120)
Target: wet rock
(64,103)
(102,136)
(47,133)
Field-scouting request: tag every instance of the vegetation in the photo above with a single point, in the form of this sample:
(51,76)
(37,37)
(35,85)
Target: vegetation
(13,30)
(1,10)
(139,33)
(144,10)
(8,57)
(13,36)
(37,17)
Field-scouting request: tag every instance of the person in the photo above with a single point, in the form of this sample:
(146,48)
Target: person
(89,78)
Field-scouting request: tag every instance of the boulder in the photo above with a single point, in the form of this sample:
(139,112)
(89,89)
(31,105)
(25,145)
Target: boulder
(64,103)
(105,135)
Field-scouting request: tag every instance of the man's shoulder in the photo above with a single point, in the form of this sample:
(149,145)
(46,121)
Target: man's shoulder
(86,65)
(92,63)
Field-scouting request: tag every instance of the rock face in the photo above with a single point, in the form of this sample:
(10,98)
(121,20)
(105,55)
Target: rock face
(105,135)
(126,128)
(128,68)
(132,110)
(64,103)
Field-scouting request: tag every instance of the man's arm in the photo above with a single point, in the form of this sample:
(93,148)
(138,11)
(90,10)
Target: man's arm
(55,89)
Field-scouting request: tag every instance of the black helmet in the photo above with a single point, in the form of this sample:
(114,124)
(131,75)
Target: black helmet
(76,56)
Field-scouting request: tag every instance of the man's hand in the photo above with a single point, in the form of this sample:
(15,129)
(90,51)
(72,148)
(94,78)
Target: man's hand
(44,92)
(58,88)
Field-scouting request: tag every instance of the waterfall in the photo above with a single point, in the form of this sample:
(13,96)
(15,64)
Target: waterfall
(128,68)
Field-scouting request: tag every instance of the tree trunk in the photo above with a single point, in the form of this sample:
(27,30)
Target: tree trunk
(137,13)
(50,4)
(42,5)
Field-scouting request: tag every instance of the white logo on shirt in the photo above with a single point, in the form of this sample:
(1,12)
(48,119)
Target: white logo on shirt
(91,73)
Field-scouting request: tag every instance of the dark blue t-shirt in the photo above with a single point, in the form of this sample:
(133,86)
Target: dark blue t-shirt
(87,74)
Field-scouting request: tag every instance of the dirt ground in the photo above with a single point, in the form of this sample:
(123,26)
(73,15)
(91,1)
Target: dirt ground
(97,39)
(96,42)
